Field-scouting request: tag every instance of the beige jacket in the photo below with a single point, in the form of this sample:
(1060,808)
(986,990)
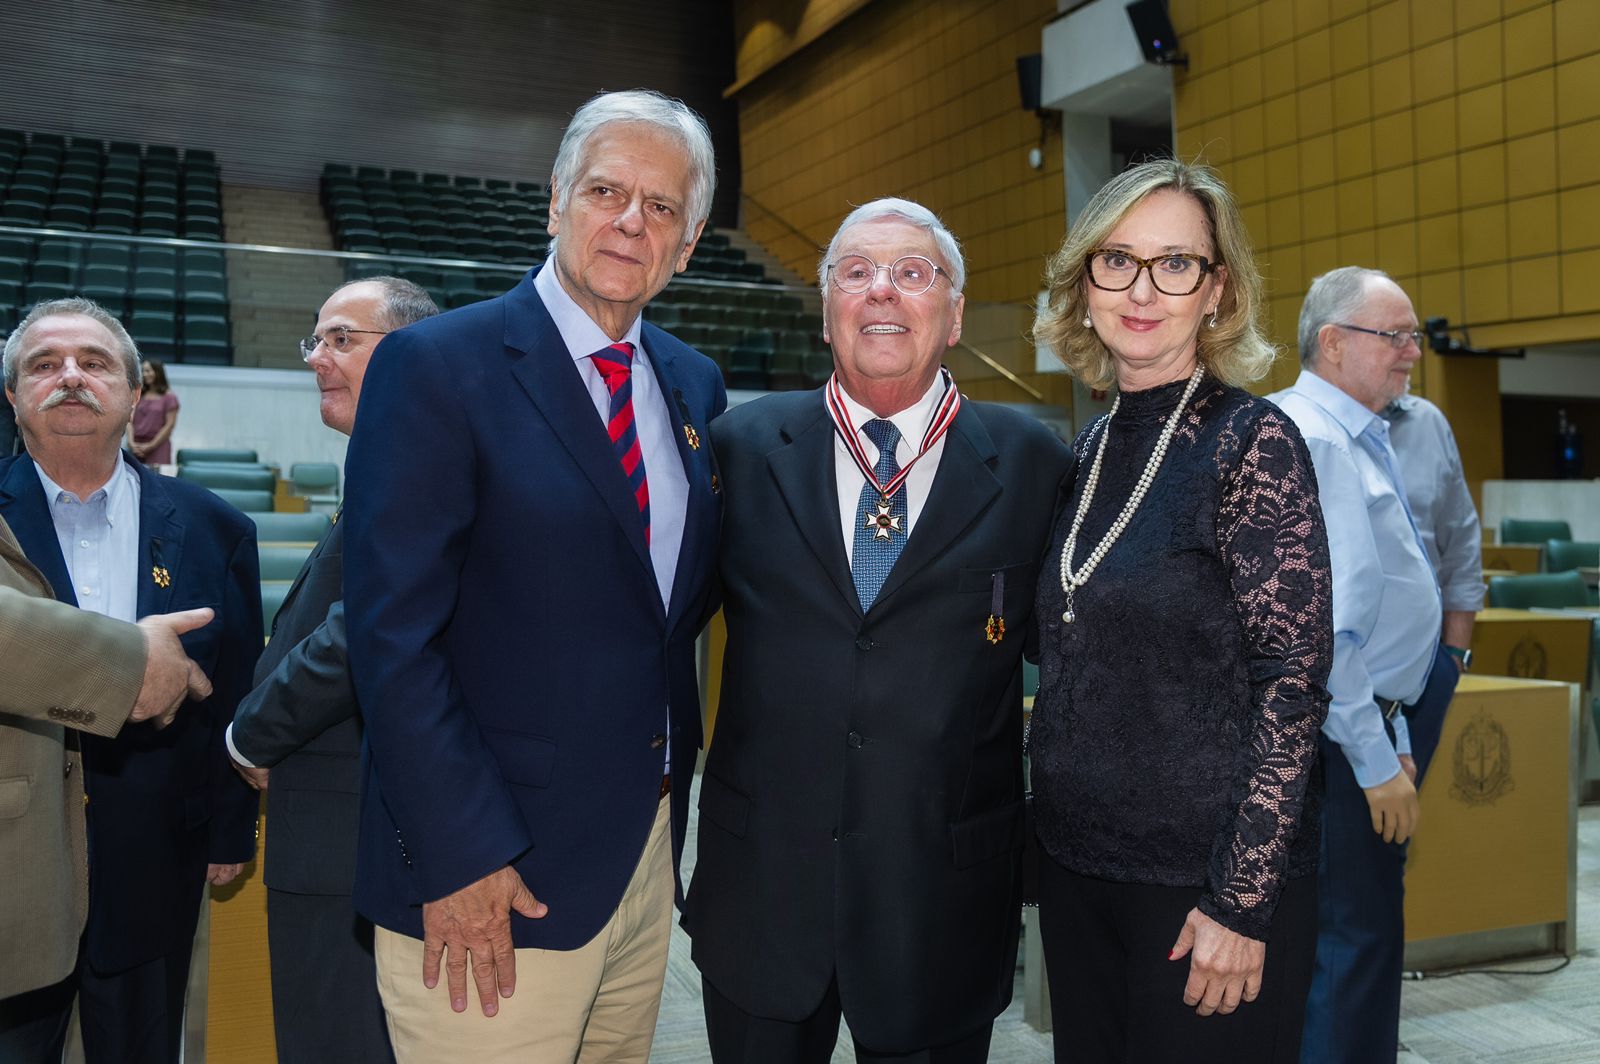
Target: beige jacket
(59,666)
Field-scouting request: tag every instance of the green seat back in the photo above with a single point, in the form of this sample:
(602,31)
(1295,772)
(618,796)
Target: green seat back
(1538,589)
(219,476)
(248,501)
(279,562)
(272,596)
(1517,530)
(309,477)
(1563,554)
(214,454)
(290,528)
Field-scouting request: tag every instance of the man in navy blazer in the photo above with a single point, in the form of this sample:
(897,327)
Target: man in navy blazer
(166,815)
(531,523)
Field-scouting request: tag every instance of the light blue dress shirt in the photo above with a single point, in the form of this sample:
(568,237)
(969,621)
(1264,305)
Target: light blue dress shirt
(1436,489)
(99,539)
(1386,611)
(653,419)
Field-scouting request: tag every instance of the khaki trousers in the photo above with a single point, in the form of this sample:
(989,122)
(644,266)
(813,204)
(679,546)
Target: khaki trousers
(594,1004)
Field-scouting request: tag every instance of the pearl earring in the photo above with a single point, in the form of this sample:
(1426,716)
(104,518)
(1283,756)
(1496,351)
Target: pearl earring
(1087,324)
(1212,324)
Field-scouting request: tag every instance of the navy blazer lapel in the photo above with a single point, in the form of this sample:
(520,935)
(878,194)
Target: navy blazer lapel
(963,488)
(547,373)
(27,511)
(160,543)
(805,476)
(699,517)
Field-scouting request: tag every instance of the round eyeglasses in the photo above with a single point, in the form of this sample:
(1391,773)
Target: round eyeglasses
(337,339)
(1398,338)
(911,275)
(1173,275)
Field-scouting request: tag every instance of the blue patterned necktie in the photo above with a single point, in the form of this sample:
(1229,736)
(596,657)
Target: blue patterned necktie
(880,532)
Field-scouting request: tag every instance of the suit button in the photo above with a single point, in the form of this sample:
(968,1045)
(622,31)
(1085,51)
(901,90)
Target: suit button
(863,643)
(657,741)
(66,770)
(854,739)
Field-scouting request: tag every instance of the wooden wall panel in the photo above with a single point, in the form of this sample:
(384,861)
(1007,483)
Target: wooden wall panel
(278,89)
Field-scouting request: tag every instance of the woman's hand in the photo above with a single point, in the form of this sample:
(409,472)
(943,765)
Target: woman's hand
(1224,966)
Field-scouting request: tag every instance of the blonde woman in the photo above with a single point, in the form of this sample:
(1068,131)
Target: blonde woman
(1186,640)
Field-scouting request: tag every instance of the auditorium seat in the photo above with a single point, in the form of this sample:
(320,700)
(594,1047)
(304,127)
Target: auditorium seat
(243,478)
(1518,530)
(287,529)
(1538,589)
(215,454)
(248,501)
(281,561)
(272,596)
(1563,554)
(318,481)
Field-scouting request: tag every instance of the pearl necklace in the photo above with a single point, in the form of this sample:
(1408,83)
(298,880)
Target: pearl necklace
(1071,581)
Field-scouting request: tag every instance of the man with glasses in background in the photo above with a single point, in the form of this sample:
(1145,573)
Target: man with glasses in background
(861,820)
(1358,341)
(302,723)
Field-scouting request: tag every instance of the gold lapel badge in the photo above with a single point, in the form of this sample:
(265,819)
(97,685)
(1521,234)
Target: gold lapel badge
(692,436)
(995,630)
(159,574)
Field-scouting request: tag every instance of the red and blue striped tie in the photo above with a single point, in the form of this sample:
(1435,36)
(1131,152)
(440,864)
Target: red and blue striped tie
(615,364)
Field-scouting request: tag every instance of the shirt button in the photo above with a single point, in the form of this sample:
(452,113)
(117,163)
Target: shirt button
(83,543)
(85,590)
(854,739)
(863,643)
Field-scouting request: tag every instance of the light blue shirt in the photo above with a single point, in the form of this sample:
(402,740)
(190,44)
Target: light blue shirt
(1436,489)
(653,420)
(1386,612)
(99,539)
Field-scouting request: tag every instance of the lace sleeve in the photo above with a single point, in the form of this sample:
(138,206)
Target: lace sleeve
(1272,538)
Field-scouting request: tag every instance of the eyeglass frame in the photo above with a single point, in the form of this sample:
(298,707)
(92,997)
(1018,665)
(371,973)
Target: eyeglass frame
(1417,336)
(1207,267)
(876,266)
(308,345)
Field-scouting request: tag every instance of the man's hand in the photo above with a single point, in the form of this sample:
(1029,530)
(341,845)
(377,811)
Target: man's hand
(1225,968)
(169,676)
(220,875)
(255,777)
(1394,808)
(477,919)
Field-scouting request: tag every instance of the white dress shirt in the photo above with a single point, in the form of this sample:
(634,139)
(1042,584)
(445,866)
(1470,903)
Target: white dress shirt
(1441,504)
(654,420)
(913,424)
(99,539)
(1386,611)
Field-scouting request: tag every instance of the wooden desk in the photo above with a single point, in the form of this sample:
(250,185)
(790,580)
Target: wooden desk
(1492,871)
(1517,557)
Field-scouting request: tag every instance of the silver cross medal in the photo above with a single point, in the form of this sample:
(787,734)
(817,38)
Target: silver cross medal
(883,521)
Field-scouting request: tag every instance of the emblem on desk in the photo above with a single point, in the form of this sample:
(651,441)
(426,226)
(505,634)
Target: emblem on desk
(1528,660)
(1482,762)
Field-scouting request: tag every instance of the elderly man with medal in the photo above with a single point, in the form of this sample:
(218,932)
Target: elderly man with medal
(861,809)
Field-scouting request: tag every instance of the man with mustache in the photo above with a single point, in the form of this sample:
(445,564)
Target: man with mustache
(165,814)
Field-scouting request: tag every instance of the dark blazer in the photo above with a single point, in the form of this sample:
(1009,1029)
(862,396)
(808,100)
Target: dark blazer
(507,638)
(861,807)
(301,721)
(162,804)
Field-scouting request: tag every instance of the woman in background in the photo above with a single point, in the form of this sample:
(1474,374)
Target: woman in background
(150,431)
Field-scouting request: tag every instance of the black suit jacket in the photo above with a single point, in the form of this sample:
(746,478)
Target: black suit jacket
(302,722)
(861,808)
(162,803)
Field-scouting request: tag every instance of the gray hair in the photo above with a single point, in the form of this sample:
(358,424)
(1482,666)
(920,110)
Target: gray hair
(917,215)
(404,302)
(49,308)
(641,107)
(1333,298)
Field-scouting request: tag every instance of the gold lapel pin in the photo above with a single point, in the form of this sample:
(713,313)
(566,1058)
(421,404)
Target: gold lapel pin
(692,436)
(159,574)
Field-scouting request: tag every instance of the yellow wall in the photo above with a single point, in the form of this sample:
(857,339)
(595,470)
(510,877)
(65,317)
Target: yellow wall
(915,99)
(1454,144)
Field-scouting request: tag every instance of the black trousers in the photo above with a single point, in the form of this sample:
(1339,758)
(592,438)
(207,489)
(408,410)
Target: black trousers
(737,1037)
(128,1017)
(325,1004)
(1117,999)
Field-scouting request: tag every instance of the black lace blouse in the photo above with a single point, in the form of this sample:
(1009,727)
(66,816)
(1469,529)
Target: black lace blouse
(1174,737)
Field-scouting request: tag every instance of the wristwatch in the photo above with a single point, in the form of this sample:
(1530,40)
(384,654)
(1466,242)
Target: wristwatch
(1461,654)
